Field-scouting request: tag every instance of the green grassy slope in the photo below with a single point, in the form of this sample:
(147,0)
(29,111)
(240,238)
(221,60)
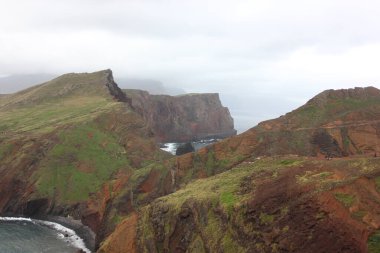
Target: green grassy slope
(87,136)
(258,205)
(333,105)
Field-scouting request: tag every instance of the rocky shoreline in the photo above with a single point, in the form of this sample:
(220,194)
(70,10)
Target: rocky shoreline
(84,232)
(77,234)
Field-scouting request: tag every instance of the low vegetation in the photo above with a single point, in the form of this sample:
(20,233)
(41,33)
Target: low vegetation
(346,199)
(374,243)
(84,158)
(49,116)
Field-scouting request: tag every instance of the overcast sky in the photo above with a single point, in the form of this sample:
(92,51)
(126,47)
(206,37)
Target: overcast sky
(264,57)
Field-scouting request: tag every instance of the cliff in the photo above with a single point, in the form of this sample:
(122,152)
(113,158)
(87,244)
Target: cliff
(183,118)
(256,193)
(68,145)
(90,154)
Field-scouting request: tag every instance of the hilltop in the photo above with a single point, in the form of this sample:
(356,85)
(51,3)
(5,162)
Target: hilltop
(334,123)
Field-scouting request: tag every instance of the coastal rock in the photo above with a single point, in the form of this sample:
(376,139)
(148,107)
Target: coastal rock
(183,118)
(185,148)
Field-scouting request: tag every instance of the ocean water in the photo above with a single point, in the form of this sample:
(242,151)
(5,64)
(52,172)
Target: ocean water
(22,235)
(171,147)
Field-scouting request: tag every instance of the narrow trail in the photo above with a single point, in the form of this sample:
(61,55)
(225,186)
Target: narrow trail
(337,126)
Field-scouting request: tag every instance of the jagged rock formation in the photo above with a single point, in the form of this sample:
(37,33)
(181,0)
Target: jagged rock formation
(183,118)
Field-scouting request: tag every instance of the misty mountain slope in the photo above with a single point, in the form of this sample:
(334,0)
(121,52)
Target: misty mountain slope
(152,86)
(101,165)
(68,98)
(332,106)
(355,130)
(75,146)
(269,138)
(334,123)
(256,194)
(67,143)
(98,84)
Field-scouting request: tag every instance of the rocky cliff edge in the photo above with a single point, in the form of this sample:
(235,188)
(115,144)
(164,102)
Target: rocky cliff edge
(183,118)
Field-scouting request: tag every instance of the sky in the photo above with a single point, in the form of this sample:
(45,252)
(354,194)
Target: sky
(265,58)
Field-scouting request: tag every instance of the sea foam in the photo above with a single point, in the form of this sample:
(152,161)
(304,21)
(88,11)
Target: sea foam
(63,232)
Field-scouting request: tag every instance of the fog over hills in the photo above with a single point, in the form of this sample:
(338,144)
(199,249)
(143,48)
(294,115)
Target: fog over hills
(263,57)
(152,86)
(14,83)
(242,105)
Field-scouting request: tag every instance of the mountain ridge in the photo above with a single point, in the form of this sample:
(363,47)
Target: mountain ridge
(71,84)
(270,189)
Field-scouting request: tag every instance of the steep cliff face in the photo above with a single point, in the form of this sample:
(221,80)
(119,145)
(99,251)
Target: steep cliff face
(68,145)
(279,203)
(183,118)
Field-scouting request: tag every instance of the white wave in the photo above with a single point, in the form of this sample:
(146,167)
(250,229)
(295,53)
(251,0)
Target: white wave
(15,219)
(63,232)
(170,147)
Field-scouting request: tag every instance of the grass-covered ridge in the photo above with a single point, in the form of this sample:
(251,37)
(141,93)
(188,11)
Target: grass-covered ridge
(65,86)
(312,115)
(68,99)
(48,116)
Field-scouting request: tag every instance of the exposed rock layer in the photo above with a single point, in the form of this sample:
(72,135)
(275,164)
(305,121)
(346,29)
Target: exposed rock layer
(183,118)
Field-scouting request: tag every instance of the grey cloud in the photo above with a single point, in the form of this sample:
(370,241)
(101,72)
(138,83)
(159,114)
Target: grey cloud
(14,83)
(258,54)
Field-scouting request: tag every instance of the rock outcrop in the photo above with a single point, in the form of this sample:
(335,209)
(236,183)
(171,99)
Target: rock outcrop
(185,148)
(183,118)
